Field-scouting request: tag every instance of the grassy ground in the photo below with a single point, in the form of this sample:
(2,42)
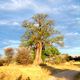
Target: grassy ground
(13,72)
(43,72)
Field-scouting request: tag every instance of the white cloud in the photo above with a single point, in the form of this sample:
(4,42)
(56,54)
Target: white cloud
(74,51)
(75,7)
(55,1)
(72,34)
(12,46)
(15,23)
(9,22)
(21,4)
(16,4)
(8,44)
(78,18)
(41,8)
(11,42)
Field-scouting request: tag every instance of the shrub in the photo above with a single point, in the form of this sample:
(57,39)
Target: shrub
(23,56)
(9,55)
(58,59)
(50,51)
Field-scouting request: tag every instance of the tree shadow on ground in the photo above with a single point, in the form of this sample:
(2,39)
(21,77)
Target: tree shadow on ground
(51,69)
(58,73)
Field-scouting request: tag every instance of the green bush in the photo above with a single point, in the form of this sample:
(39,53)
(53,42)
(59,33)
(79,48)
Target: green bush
(49,52)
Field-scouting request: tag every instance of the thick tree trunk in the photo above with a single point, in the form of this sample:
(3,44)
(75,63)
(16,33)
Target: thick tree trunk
(38,52)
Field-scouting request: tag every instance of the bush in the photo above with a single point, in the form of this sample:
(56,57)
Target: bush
(9,52)
(62,58)
(23,56)
(49,52)
(58,59)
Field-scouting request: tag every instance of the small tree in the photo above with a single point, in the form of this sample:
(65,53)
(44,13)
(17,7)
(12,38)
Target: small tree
(40,32)
(9,52)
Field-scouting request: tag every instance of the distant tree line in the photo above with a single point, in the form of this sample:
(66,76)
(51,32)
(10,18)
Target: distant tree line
(76,58)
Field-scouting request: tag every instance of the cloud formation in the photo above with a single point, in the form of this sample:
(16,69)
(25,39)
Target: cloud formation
(9,22)
(73,51)
(72,34)
(16,4)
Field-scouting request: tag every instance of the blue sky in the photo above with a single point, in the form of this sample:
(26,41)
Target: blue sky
(66,14)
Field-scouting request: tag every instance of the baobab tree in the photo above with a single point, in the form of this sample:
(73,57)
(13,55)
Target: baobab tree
(39,32)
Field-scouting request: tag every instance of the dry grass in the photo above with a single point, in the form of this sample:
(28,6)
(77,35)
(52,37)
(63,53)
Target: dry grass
(12,72)
(71,66)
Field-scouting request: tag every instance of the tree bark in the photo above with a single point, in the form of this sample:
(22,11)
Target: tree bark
(38,52)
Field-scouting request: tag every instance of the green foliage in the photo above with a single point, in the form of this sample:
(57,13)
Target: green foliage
(23,56)
(50,52)
(40,28)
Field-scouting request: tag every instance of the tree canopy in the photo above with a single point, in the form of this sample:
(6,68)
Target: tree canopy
(40,32)
(41,28)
